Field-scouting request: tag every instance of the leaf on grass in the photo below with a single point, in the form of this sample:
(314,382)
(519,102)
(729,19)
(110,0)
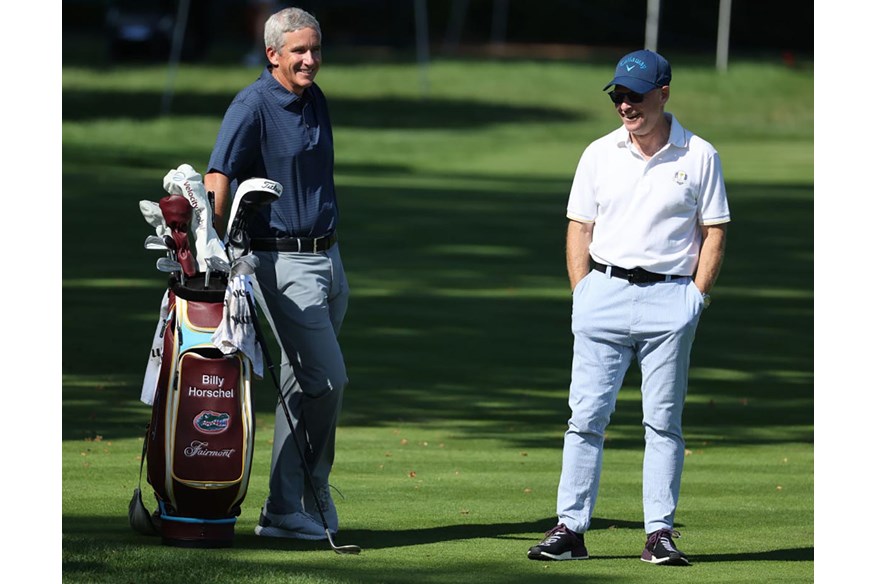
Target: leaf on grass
(527,491)
(404,441)
(412,474)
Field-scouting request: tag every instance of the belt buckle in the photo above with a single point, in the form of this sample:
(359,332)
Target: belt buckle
(636,276)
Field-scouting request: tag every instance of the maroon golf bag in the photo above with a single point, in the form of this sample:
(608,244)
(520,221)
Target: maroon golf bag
(199,442)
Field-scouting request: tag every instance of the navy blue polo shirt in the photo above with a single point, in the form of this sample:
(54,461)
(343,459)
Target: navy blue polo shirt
(270,132)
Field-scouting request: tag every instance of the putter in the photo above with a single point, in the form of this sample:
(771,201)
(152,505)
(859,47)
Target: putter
(341,549)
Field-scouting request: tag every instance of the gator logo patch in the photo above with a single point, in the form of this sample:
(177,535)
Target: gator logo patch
(210,422)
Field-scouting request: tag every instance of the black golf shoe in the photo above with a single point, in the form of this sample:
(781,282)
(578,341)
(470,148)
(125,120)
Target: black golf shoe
(659,549)
(560,543)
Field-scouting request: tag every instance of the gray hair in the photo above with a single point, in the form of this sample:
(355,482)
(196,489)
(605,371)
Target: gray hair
(288,20)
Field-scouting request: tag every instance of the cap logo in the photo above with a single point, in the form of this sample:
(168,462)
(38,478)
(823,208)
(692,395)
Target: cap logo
(635,62)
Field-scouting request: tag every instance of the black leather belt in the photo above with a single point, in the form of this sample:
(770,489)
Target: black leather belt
(296,244)
(634,276)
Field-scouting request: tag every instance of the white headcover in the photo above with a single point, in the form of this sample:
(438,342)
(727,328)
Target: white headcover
(260,191)
(187,182)
(153,216)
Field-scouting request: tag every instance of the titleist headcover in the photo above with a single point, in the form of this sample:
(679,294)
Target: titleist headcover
(251,195)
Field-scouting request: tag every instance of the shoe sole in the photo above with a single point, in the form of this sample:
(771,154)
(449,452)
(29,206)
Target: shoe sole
(555,557)
(286,534)
(670,561)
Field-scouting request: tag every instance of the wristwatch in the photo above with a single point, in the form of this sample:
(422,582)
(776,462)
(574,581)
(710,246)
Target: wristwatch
(706,300)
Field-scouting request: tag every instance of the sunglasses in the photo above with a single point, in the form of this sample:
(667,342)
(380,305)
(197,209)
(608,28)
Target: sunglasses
(631,96)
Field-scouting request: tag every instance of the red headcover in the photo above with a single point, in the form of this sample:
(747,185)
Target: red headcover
(177,214)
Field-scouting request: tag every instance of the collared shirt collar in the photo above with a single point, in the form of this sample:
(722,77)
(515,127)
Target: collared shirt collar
(678,136)
(284,97)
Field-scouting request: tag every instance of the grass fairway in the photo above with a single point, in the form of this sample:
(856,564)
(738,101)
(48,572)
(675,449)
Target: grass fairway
(457,340)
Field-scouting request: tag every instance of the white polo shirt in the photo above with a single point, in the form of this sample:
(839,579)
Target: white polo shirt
(649,213)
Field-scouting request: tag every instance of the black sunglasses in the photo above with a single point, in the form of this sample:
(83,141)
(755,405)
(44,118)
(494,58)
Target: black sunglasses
(631,96)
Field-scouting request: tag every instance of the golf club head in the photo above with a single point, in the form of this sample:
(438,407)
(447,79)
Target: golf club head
(155,242)
(168,265)
(217,264)
(251,195)
(177,214)
(139,517)
(342,549)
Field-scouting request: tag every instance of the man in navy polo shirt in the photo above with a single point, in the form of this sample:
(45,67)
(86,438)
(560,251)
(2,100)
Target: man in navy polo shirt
(648,217)
(278,128)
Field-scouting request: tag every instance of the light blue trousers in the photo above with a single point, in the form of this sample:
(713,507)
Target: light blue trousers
(613,321)
(304,298)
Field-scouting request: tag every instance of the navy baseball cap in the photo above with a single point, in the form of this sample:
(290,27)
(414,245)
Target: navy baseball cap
(642,71)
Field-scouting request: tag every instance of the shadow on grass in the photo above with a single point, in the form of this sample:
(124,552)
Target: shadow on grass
(806,554)
(460,311)
(384,113)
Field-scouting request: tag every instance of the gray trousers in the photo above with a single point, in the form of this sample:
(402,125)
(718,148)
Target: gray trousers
(304,298)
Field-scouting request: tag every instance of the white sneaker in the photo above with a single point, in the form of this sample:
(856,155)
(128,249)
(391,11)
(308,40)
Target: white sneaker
(325,502)
(296,525)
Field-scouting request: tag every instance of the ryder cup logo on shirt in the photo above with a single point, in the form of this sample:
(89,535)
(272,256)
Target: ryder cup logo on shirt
(680,177)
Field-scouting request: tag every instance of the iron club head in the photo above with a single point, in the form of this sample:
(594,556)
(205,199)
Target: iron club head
(171,266)
(217,264)
(155,242)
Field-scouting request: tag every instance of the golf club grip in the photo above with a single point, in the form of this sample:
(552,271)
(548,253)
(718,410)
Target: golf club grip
(263,344)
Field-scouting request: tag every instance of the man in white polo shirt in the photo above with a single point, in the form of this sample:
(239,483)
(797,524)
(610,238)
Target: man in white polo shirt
(648,218)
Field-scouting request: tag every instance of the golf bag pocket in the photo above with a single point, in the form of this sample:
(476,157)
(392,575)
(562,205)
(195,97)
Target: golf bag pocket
(211,430)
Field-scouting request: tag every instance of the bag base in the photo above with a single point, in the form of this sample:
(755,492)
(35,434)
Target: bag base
(194,533)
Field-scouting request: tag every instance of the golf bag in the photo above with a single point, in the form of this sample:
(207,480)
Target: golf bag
(199,442)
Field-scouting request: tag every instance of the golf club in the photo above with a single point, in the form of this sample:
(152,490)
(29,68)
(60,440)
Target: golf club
(251,195)
(171,266)
(170,242)
(155,242)
(341,549)
(177,214)
(214,264)
(217,264)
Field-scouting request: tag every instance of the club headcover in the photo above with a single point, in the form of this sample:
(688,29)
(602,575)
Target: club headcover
(251,195)
(177,215)
(186,182)
(152,214)
(139,517)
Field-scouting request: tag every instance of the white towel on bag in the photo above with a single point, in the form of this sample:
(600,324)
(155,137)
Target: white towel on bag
(153,365)
(236,331)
